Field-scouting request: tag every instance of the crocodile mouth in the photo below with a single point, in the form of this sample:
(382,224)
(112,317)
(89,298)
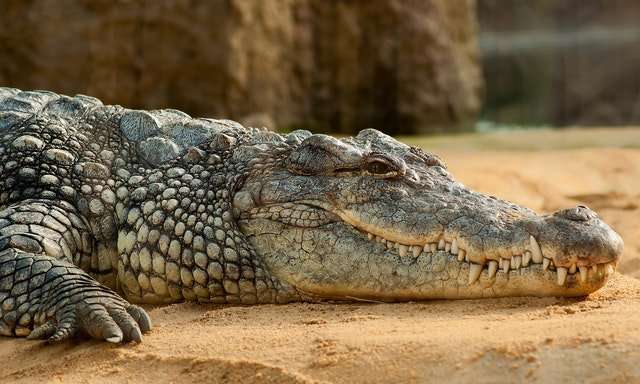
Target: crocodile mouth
(528,258)
(528,261)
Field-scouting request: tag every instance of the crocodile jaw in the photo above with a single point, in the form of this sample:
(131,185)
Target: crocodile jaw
(333,255)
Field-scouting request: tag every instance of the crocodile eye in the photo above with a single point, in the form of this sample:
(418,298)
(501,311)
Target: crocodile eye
(377,167)
(381,166)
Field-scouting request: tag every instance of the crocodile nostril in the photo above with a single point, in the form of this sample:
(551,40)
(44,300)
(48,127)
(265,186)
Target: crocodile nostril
(580,213)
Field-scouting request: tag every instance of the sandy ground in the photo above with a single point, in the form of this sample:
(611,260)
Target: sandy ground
(594,339)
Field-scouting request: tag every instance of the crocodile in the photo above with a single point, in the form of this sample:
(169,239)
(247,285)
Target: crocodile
(103,208)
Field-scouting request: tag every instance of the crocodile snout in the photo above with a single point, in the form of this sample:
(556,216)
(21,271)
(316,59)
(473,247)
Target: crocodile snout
(577,236)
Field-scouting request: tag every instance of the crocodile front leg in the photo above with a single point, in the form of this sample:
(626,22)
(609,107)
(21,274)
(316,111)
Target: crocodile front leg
(43,295)
(45,298)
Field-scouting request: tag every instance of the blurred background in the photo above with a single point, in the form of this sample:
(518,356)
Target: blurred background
(535,101)
(402,66)
(560,63)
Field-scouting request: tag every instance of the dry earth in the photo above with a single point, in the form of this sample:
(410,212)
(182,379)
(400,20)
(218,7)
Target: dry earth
(594,339)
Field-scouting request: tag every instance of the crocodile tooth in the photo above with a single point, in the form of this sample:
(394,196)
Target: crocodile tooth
(545,264)
(454,247)
(379,239)
(536,252)
(390,244)
(608,269)
(441,244)
(447,247)
(370,236)
(583,273)
(416,250)
(461,254)
(562,275)
(594,268)
(433,247)
(505,265)
(526,258)
(517,261)
(573,268)
(493,268)
(426,247)
(402,250)
(474,272)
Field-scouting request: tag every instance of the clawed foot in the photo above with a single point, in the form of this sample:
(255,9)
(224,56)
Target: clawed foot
(107,317)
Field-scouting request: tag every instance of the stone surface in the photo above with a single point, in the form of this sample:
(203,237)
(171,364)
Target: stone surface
(399,65)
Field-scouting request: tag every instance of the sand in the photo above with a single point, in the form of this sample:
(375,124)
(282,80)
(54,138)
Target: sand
(593,339)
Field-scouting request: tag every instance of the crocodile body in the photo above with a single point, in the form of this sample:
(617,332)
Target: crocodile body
(102,207)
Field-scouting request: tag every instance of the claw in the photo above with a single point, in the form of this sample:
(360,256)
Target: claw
(141,317)
(44,331)
(127,324)
(135,335)
(100,324)
(113,334)
(114,339)
(67,327)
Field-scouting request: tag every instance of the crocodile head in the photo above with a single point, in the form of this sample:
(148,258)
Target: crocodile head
(372,218)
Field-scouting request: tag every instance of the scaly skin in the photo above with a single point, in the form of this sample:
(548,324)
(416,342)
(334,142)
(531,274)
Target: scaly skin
(163,208)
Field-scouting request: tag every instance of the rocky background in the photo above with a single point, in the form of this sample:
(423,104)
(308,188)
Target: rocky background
(402,66)
(561,62)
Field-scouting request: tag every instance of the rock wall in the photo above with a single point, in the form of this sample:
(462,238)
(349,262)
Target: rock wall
(397,65)
(562,63)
